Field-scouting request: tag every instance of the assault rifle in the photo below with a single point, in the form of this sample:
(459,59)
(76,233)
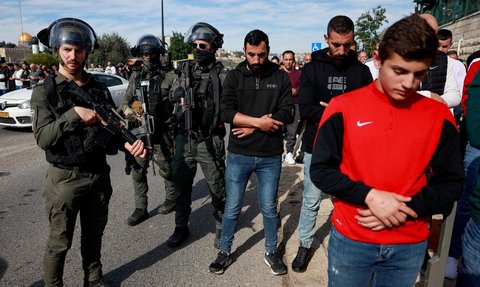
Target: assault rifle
(183,95)
(147,120)
(115,124)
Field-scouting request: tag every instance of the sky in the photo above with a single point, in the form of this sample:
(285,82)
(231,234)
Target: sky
(290,25)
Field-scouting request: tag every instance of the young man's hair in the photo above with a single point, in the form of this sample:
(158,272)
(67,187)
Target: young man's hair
(340,24)
(444,34)
(288,52)
(411,38)
(255,37)
(452,52)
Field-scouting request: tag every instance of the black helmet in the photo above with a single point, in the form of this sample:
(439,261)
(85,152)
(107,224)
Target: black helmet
(69,31)
(148,43)
(206,32)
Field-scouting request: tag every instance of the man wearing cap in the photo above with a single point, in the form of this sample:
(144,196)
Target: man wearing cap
(200,133)
(78,176)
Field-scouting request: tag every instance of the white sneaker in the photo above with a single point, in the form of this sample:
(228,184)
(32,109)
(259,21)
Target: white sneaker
(451,268)
(289,158)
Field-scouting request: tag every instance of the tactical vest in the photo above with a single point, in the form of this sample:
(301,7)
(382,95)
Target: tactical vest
(436,76)
(78,148)
(207,89)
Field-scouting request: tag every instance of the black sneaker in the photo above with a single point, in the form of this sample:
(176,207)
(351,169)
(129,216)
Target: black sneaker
(178,237)
(221,263)
(138,216)
(300,262)
(274,261)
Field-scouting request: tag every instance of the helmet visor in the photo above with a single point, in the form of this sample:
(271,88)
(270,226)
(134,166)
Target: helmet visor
(197,32)
(73,33)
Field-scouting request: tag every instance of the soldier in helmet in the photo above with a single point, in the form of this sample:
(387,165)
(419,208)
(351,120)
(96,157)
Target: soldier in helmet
(200,133)
(150,72)
(78,177)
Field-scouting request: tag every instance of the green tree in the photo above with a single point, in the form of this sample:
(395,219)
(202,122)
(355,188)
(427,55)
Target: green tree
(367,26)
(42,59)
(112,48)
(7,45)
(178,48)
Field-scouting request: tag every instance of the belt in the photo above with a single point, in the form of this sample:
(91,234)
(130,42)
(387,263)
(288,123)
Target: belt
(80,168)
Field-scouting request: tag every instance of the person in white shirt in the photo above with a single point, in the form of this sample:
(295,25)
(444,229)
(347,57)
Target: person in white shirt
(18,77)
(445,43)
(429,87)
(110,69)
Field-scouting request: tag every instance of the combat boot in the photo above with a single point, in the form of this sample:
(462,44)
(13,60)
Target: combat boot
(167,207)
(97,283)
(178,237)
(137,217)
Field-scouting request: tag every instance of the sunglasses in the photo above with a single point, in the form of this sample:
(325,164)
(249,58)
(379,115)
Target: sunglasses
(201,46)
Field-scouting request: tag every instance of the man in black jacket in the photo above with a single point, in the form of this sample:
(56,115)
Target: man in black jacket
(257,102)
(333,71)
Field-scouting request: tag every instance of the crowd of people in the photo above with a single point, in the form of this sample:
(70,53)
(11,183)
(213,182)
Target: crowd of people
(380,138)
(15,76)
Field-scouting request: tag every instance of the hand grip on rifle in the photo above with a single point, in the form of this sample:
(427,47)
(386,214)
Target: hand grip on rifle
(114,123)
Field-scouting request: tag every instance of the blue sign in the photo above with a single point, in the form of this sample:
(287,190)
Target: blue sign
(316,46)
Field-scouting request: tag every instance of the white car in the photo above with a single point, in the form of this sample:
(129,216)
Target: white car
(15,105)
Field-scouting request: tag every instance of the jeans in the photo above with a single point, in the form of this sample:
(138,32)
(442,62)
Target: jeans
(239,170)
(462,216)
(470,270)
(310,205)
(292,131)
(354,263)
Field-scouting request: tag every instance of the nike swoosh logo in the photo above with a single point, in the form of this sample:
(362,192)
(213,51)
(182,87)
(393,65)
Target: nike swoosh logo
(433,67)
(360,124)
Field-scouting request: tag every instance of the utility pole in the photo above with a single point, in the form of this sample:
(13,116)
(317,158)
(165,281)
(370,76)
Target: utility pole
(21,26)
(163,34)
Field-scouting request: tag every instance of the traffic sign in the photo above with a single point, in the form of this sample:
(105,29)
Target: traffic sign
(316,46)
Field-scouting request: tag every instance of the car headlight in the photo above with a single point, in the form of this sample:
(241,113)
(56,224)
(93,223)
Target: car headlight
(24,105)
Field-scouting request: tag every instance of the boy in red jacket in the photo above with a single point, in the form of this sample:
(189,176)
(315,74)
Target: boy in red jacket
(391,158)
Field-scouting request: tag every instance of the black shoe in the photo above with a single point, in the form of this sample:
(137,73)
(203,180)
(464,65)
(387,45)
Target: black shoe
(300,262)
(275,262)
(221,263)
(97,283)
(167,207)
(178,237)
(218,235)
(138,216)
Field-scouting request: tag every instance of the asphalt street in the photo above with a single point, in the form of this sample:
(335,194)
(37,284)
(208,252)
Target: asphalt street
(131,256)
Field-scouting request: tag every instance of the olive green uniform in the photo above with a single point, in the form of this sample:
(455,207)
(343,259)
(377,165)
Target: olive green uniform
(160,108)
(205,147)
(78,179)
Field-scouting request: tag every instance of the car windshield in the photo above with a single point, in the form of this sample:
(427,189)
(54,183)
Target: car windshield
(107,80)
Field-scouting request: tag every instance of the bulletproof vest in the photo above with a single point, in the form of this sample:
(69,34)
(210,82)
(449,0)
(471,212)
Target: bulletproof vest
(72,150)
(155,79)
(206,92)
(436,76)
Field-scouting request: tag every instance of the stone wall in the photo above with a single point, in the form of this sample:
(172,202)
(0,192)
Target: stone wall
(466,35)
(15,55)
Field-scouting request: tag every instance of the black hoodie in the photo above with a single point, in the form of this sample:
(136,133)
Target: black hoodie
(321,80)
(271,93)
